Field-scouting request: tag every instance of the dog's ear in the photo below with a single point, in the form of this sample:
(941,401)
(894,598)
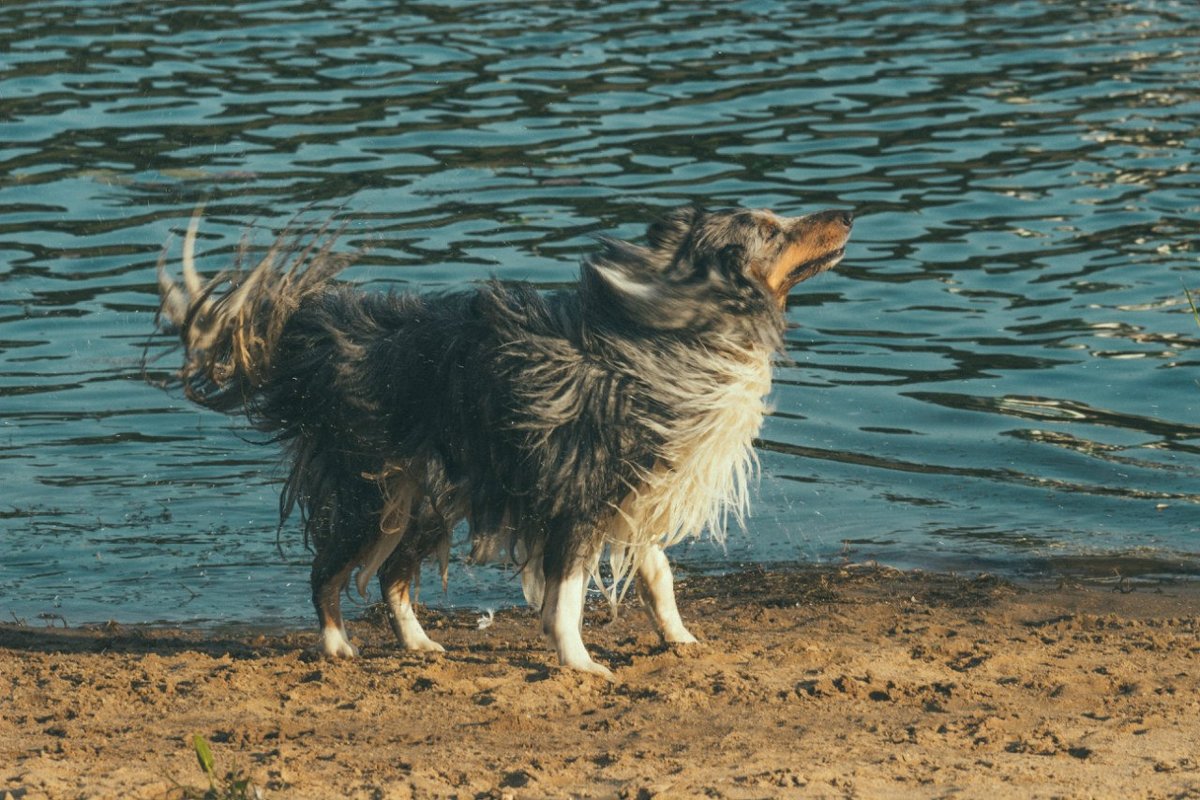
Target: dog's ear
(669,232)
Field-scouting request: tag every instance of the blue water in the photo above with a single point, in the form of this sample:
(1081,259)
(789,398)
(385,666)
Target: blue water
(1002,375)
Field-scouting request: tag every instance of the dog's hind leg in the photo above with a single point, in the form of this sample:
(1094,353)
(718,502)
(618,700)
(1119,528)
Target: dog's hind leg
(330,576)
(656,587)
(396,579)
(344,534)
(562,621)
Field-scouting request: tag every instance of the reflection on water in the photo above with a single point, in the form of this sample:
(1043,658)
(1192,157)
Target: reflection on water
(1001,375)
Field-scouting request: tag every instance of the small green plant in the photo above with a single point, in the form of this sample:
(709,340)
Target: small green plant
(233,786)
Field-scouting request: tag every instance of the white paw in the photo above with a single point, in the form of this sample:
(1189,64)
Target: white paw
(680,636)
(591,667)
(334,644)
(423,645)
(412,636)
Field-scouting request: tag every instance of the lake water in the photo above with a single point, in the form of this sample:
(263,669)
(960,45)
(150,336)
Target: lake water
(1001,376)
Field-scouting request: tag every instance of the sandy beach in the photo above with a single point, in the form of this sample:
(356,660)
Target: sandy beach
(854,681)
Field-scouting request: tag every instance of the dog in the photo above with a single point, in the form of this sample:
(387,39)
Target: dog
(617,417)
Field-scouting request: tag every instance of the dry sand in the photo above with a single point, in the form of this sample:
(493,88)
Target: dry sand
(843,682)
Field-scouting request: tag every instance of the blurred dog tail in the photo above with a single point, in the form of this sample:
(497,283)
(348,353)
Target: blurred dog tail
(230,325)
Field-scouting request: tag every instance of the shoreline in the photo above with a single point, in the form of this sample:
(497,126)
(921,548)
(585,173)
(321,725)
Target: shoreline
(852,680)
(1124,572)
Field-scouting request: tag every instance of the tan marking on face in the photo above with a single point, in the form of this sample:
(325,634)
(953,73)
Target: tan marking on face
(815,245)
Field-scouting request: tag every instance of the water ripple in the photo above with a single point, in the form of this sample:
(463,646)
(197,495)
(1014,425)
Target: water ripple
(1003,371)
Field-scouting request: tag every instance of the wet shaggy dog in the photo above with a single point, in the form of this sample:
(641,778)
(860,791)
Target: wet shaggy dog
(614,418)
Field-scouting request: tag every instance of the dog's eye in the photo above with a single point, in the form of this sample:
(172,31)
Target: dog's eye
(768,229)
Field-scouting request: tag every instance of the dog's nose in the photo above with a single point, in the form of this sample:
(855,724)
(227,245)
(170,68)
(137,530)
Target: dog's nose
(847,218)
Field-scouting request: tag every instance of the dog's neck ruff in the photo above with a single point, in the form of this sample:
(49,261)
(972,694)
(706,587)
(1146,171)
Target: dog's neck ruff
(707,463)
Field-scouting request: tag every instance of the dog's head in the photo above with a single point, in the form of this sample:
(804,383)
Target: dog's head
(699,267)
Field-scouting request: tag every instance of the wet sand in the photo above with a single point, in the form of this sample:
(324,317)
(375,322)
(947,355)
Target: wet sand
(856,681)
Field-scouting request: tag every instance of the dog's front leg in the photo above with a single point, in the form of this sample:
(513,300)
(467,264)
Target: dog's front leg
(562,621)
(656,587)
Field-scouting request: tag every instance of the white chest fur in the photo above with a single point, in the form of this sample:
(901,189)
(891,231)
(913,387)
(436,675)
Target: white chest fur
(708,463)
